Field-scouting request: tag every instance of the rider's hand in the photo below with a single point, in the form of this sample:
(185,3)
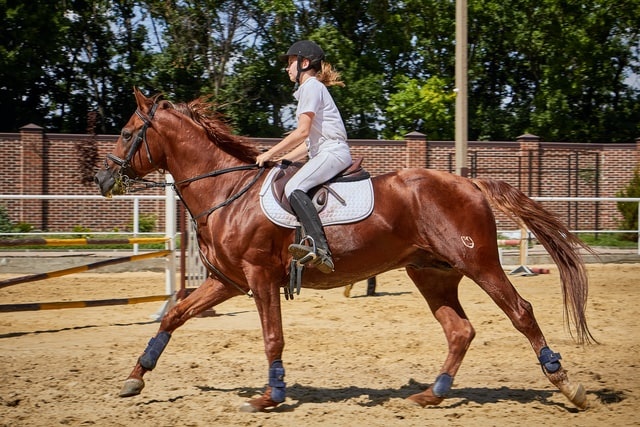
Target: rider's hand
(263,158)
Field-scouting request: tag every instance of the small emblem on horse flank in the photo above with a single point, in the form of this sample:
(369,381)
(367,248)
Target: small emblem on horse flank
(467,241)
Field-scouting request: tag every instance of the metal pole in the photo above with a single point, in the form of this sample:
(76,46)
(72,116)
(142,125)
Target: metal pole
(461,88)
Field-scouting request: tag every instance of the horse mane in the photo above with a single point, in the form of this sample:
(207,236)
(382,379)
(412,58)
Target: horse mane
(204,114)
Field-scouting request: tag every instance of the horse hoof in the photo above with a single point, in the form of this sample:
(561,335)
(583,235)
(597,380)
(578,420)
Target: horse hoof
(347,290)
(410,402)
(248,408)
(579,397)
(131,387)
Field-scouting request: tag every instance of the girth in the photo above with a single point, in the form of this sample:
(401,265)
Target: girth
(353,173)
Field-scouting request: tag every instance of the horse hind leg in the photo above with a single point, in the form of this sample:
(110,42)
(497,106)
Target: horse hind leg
(207,295)
(439,287)
(496,284)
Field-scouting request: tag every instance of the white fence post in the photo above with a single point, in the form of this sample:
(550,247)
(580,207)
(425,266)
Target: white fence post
(136,223)
(170,233)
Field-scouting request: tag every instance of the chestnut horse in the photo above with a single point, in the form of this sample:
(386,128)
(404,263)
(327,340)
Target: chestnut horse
(438,226)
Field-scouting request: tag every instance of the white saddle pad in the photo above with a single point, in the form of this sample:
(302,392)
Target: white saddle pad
(357,197)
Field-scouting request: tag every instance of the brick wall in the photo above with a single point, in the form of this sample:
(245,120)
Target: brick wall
(36,162)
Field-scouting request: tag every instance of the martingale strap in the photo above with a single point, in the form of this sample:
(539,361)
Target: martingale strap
(221,276)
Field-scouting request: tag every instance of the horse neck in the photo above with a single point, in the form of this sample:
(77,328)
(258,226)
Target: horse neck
(191,155)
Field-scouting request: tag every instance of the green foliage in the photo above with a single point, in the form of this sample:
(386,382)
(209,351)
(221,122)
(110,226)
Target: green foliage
(23,227)
(81,231)
(561,69)
(428,107)
(5,222)
(147,223)
(554,68)
(606,240)
(629,210)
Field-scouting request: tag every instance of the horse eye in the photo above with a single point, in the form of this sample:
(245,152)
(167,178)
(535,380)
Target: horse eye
(126,135)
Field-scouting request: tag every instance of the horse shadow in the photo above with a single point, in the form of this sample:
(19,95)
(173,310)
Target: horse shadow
(74,328)
(71,328)
(382,294)
(298,395)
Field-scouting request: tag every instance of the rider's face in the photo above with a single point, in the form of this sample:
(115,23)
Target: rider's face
(292,67)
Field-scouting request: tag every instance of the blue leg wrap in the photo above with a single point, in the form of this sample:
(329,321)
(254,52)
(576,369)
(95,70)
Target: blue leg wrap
(153,351)
(549,360)
(276,381)
(442,385)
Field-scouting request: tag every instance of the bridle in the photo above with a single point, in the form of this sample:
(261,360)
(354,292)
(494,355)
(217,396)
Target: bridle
(125,164)
(141,137)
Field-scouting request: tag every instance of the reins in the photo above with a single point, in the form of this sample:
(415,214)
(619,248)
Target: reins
(147,184)
(217,173)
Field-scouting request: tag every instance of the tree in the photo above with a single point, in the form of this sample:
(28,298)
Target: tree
(557,68)
(29,53)
(554,68)
(104,47)
(428,108)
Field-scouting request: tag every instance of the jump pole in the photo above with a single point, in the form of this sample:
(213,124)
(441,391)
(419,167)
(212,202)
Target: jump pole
(8,308)
(39,241)
(80,269)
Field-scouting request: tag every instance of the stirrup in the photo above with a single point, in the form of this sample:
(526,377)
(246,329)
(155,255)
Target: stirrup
(304,254)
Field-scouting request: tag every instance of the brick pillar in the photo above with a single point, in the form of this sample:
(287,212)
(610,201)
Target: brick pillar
(416,150)
(528,142)
(529,166)
(32,155)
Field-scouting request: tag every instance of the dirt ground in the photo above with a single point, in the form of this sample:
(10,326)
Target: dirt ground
(349,361)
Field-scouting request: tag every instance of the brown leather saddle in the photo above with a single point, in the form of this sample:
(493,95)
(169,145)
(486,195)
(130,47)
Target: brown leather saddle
(319,194)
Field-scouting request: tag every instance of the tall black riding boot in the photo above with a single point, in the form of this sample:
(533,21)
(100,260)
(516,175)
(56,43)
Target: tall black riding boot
(318,253)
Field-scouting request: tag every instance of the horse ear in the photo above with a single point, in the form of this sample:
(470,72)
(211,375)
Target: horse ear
(141,100)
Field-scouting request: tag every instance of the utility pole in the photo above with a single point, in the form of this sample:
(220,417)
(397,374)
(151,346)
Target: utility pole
(461,89)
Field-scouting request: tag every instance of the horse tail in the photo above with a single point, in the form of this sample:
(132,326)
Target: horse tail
(561,244)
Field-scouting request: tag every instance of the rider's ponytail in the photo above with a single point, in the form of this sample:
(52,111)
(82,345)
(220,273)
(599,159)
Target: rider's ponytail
(329,76)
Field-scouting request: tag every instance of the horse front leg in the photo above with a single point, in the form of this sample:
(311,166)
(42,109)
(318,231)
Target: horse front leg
(268,304)
(440,290)
(207,295)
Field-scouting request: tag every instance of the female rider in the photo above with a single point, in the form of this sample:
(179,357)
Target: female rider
(320,134)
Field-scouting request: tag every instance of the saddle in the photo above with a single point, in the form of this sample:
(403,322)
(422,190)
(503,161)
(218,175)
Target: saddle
(318,194)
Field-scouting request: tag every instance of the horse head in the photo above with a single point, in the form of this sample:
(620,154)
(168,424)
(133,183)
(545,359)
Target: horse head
(129,161)
(146,141)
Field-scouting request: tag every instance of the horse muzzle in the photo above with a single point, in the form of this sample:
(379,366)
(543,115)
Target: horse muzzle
(106,181)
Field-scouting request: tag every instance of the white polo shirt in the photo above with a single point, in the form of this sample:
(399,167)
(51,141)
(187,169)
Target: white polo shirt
(327,127)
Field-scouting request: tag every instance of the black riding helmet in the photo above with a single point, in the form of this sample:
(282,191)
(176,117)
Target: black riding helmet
(308,50)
